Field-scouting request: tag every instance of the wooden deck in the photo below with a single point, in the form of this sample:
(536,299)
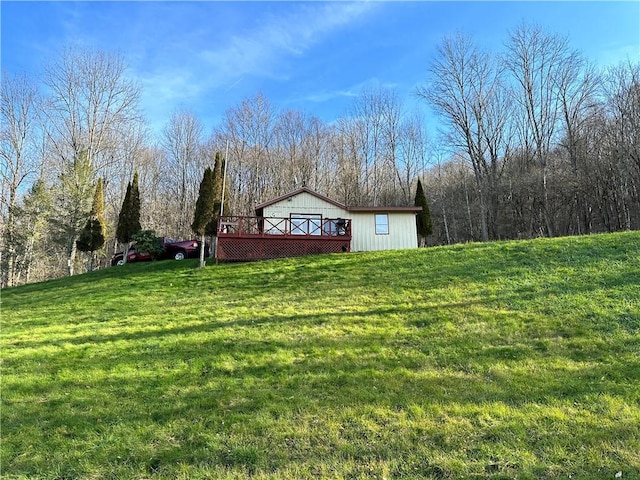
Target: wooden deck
(259,238)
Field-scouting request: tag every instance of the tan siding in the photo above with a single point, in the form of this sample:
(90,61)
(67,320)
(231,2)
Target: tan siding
(402,232)
(304,203)
(402,225)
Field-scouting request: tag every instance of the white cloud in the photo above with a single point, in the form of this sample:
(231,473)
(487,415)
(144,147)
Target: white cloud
(325,96)
(265,50)
(614,53)
(211,62)
(171,85)
(188,67)
(352,91)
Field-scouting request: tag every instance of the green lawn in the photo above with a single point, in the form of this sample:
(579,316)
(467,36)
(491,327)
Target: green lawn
(503,360)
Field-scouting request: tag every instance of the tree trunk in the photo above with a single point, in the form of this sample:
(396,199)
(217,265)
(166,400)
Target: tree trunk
(446,224)
(468,205)
(202,260)
(484,229)
(125,252)
(9,239)
(545,203)
(72,258)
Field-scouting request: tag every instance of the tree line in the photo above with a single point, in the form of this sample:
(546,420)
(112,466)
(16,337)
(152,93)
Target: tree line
(534,141)
(544,143)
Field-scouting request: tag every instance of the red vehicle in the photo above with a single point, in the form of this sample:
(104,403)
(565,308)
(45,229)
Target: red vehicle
(171,249)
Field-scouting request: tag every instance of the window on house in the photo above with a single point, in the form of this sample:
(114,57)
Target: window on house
(329,227)
(382,224)
(306,224)
(334,226)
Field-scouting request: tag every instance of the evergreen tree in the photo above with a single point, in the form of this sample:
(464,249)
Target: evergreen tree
(123,234)
(74,193)
(423,218)
(135,206)
(129,217)
(204,209)
(97,209)
(91,239)
(93,234)
(218,181)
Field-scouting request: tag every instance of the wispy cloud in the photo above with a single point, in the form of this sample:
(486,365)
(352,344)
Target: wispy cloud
(172,85)
(265,51)
(203,64)
(325,95)
(614,53)
(352,91)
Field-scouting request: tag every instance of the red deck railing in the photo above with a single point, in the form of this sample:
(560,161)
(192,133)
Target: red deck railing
(257,238)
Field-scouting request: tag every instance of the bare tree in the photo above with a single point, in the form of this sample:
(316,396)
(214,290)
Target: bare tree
(411,160)
(435,183)
(92,104)
(448,184)
(377,112)
(158,210)
(316,151)
(537,62)
(466,90)
(621,88)
(250,131)
(18,108)
(300,149)
(349,163)
(577,90)
(289,149)
(182,140)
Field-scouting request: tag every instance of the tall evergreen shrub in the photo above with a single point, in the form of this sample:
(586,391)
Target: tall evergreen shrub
(423,218)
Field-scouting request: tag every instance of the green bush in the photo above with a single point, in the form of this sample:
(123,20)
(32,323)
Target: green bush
(147,241)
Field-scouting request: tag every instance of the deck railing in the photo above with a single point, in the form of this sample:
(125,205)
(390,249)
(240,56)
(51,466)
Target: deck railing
(256,238)
(239,226)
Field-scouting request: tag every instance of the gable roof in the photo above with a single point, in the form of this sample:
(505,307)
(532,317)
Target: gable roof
(297,192)
(261,206)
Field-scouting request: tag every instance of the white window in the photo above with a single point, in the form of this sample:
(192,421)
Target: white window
(382,224)
(306,224)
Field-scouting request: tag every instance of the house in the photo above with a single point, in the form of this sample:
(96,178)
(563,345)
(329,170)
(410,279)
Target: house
(305,222)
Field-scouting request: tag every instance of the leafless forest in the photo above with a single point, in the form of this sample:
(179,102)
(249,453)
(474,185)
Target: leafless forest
(535,140)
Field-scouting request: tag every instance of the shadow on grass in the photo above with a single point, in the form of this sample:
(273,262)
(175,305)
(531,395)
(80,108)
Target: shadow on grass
(416,386)
(184,404)
(342,347)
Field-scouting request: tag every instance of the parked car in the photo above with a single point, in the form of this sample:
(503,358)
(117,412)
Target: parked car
(171,250)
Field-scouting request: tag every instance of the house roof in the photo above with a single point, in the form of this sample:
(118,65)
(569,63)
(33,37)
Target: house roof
(384,209)
(261,206)
(297,192)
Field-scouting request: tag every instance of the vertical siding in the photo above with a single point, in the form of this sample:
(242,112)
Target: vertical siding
(304,203)
(402,232)
(402,225)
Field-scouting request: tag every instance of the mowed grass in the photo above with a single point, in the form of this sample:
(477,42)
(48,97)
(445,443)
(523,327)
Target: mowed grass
(504,360)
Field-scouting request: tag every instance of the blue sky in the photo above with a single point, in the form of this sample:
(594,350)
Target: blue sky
(312,56)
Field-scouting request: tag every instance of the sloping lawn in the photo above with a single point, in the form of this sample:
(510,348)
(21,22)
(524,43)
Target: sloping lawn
(502,360)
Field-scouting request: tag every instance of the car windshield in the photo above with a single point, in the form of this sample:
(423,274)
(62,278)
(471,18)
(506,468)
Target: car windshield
(169,240)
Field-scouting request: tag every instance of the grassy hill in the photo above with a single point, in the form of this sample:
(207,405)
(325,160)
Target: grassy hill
(503,360)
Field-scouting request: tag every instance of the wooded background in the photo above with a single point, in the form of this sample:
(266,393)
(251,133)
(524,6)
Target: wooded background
(533,141)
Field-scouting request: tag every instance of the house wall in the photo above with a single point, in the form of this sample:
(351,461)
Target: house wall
(402,225)
(402,232)
(304,203)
